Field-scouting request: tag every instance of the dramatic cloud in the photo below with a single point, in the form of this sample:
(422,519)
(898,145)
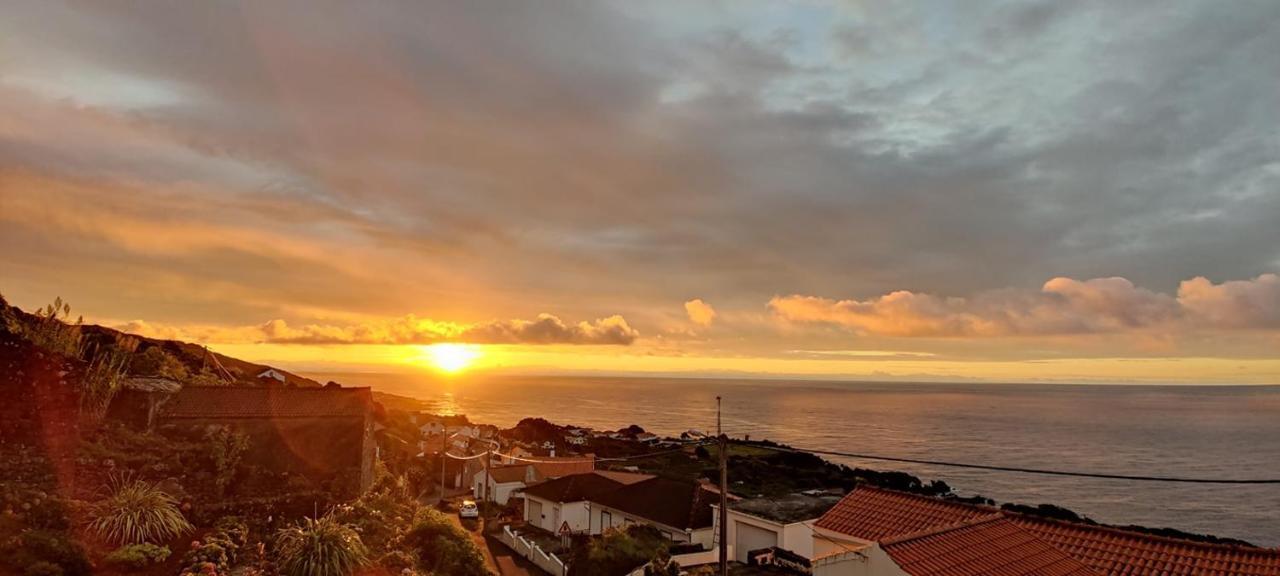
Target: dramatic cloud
(700,312)
(1062,306)
(216,164)
(1235,304)
(546,329)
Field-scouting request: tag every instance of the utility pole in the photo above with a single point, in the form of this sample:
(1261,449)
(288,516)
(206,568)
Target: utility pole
(443,459)
(484,504)
(724,494)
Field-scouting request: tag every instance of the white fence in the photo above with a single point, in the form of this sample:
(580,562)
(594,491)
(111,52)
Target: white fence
(549,563)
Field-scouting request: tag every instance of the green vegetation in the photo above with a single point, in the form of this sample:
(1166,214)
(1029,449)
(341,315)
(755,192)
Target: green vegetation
(618,552)
(323,547)
(662,565)
(137,512)
(438,546)
(138,556)
(50,330)
(155,362)
(219,550)
(226,447)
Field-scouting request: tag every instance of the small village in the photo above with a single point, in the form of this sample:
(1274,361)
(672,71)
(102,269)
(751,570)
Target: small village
(124,455)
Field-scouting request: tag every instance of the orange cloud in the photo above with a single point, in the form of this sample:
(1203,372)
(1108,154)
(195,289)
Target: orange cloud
(546,329)
(700,312)
(1233,304)
(1062,306)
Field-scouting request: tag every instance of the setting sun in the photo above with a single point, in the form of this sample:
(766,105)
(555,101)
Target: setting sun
(452,358)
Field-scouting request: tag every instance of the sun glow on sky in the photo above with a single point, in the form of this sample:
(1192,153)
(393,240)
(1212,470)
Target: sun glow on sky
(451,358)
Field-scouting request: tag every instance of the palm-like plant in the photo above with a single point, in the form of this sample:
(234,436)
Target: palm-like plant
(137,511)
(323,547)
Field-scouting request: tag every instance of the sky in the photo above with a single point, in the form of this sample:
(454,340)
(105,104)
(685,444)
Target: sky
(989,190)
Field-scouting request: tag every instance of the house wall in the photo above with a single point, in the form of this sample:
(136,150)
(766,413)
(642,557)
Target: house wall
(603,517)
(868,561)
(826,542)
(498,492)
(796,536)
(555,513)
(337,451)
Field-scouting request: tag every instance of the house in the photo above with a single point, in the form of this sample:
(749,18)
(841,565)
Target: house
(431,428)
(875,532)
(516,454)
(322,433)
(680,510)
(647,437)
(504,481)
(785,522)
(565,501)
(272,376)
(139,400)
(576,440)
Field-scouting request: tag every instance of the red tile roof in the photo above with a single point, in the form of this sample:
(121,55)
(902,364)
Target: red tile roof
(872,514)
(217,402)
(880,515)
(557,467)
(507,474)
(984,546)
(1117,552)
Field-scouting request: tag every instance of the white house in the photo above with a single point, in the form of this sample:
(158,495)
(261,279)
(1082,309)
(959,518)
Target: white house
(680,510)
(504,481)
(431,428)
(785,522)
(272,374)
(576,440)
(564,503)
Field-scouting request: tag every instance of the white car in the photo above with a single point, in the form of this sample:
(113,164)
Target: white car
(468,509)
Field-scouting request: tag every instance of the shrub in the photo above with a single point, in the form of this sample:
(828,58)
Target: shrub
(154,361)
(50,331)
(43,568)
(226,447)
(138,556)
(45,547)
(138,512)
(219,549)
(324,547)
(441,547)
(101,380)
(618,551)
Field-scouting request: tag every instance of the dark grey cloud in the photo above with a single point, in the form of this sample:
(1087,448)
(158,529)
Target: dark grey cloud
(616,158)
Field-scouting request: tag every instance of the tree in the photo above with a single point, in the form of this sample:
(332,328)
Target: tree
(662,565)
(440,547)
(154,361)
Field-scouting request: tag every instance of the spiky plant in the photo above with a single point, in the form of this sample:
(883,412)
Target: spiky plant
(323,547)
(137,511)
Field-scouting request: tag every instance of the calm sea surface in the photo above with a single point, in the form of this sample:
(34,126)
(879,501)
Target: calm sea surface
(1209,431)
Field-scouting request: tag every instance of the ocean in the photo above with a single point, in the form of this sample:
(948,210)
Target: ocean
(1189,431)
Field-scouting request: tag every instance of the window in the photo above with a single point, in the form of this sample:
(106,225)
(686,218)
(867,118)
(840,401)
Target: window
(606,520)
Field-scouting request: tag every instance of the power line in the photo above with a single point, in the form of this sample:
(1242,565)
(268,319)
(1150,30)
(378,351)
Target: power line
(1040,471)
(582,461)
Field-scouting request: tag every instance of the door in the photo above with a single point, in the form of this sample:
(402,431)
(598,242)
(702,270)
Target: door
(752,538)
(535,513)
